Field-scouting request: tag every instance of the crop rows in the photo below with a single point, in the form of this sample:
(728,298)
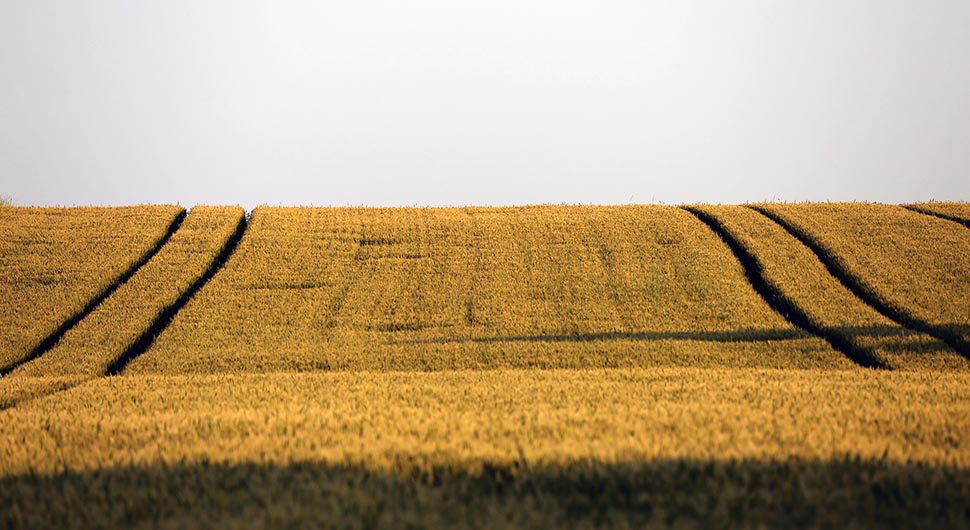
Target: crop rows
(55,261)
(428,289)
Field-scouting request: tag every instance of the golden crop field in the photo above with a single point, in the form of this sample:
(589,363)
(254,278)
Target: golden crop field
(514,367)
(429,289)
(54,261)
(912,264)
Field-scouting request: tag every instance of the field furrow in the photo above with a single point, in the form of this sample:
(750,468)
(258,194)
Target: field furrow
(451,288)
(911,267)
(958,212)
(545,437)
(58,264)
(118,323)
(775,297)
(802,280)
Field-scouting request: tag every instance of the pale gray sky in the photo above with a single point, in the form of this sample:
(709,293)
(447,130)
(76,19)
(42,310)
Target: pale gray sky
(497,102)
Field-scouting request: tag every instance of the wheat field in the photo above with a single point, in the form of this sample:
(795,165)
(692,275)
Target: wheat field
(432,289)
(769,365)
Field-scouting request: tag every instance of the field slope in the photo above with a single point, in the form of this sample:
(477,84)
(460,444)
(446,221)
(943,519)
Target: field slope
(519,367)
(430,289)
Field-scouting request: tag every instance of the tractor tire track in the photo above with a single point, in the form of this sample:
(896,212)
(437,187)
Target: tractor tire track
(865,293)
(958,220)
(783,305)
(8,402)
(51,340)
(165,317)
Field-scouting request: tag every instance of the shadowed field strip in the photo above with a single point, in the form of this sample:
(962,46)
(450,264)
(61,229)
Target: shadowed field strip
(802,279)
(104,336)
(914,268)
(663,493)
(450,288)
(958,212)
(779,437)
(58,264)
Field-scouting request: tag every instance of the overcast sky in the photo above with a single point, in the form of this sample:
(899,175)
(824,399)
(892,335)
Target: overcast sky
(492,102)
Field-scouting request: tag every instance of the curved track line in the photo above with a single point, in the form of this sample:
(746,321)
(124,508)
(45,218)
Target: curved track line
(939,215)
(868,296)
(42,395)
(51,340)
(145,340)
(777,299)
